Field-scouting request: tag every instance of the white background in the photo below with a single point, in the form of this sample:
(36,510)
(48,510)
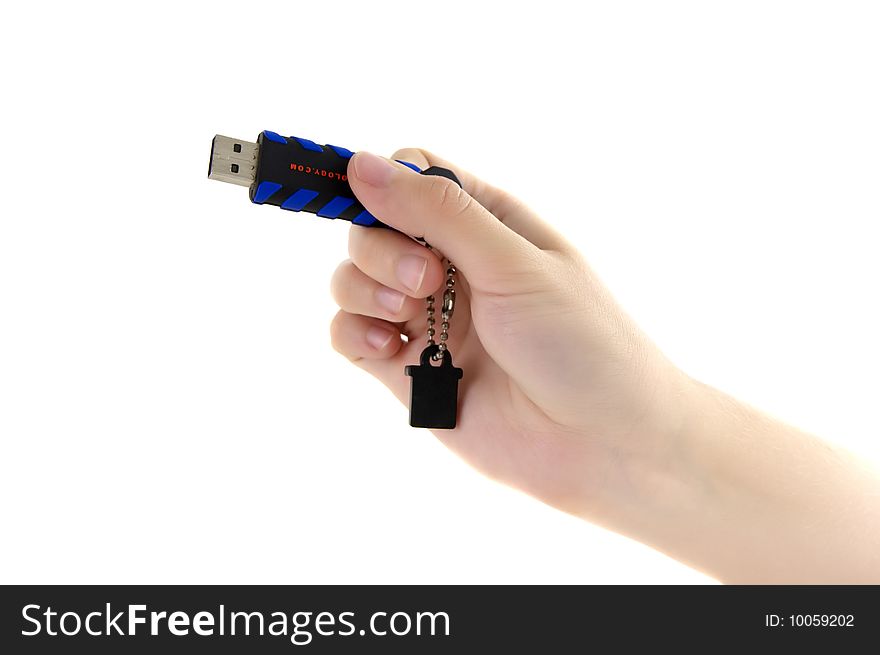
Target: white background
(171,409)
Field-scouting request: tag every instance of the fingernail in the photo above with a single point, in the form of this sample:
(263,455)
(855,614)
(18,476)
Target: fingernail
(390,299)
(378,337)
(373,170)
(411,271)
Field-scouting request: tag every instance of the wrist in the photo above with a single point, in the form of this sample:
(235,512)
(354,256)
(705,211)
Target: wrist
(745,498)
(661,491)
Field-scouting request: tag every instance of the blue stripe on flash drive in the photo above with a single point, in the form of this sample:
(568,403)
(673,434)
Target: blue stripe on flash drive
(412,166)
(299,200)
(364,218)
(308,145)
(345,153)
(274,136)
(265,191)
(335,207)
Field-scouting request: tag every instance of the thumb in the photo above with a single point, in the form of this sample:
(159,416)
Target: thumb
(492,256)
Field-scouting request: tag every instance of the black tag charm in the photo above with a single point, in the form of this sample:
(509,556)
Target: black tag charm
(433,399)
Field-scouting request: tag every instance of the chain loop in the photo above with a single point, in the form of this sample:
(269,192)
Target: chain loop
(447,308)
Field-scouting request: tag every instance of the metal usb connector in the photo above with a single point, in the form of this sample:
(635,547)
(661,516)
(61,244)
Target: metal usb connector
(233,160)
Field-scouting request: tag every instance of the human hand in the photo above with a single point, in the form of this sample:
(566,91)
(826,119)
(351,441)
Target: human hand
(566,399)
(562,394)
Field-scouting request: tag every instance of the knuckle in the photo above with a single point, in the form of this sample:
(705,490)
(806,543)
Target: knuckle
(338,340)
(409,154)
(355,240)
(446,197)
(340,281)
(336,331)
(366,250)
(506,203)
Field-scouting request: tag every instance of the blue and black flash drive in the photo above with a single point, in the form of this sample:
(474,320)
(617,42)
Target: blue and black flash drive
(296,174)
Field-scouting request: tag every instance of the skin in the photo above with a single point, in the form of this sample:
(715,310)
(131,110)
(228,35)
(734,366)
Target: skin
(566,399)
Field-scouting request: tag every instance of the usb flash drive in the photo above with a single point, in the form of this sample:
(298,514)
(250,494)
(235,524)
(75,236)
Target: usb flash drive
(296,174)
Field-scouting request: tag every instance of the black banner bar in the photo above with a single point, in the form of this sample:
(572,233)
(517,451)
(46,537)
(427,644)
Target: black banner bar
(436,619)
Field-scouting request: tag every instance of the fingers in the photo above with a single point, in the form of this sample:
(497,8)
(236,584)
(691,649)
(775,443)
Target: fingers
(363,337)
(358,293)
(362,340)
(395,260)
(491,255)
(507,208)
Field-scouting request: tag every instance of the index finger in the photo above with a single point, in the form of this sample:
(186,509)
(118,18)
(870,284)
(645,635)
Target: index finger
(507,208)
(492,198)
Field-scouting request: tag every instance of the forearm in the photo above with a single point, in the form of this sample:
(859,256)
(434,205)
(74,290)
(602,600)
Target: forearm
(748,499)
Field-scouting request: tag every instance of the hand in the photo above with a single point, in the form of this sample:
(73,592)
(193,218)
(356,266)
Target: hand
(564,397)
(561,391)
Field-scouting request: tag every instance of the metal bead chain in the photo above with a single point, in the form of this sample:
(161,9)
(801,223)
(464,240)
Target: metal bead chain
(445,313)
